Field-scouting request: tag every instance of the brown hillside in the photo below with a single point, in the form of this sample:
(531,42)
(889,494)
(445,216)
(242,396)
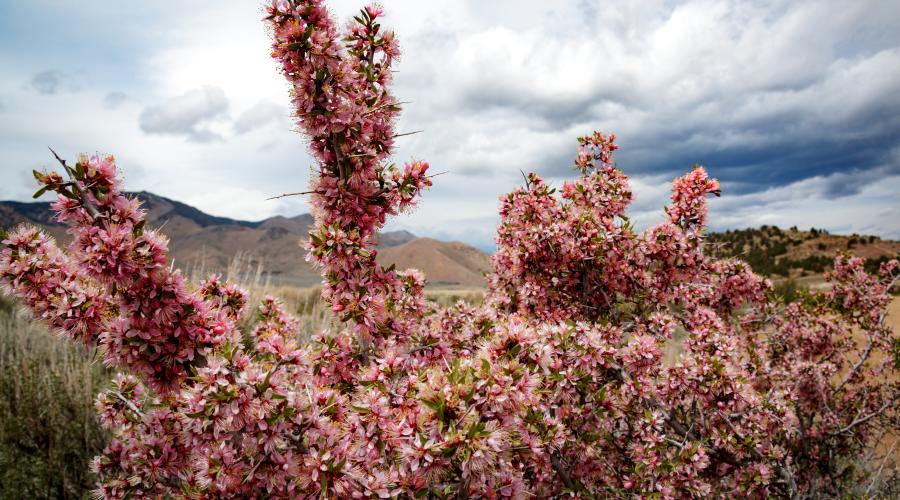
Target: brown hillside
(777,252)
(201,243)
(444,263)
(833,244)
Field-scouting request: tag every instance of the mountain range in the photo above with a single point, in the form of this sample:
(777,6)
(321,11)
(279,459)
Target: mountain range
(272,248)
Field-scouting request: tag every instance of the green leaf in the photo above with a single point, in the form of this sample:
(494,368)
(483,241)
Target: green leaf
(40,192)
(68,194)
(360,409)
(324,486)
(434,405)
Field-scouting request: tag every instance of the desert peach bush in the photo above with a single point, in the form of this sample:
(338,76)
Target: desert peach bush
(556,386)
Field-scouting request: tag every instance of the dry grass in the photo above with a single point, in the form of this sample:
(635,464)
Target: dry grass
(449,297)
(48,426)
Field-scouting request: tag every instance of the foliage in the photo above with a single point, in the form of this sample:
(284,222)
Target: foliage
(789,291)
(555,385)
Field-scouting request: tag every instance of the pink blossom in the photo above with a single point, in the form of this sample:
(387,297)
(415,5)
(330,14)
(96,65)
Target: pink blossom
(556,386)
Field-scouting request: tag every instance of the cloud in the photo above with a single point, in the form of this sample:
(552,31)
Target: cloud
(47,82)
(868,208)
(261,114)
(754,91)
(113,100)
(190,114)
(840,202)
(794,106)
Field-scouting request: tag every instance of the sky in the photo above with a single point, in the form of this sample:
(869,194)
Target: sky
(793,105)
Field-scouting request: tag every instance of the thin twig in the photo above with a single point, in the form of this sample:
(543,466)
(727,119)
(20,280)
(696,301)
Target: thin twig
(285,195)
(422,347)
(128,403)
(858,364)
(386,105)
(527,182)
(860,421)
(85,202)
(408,133)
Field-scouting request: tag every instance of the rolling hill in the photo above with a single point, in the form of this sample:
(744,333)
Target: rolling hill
(792,253)
(202,243)
(448,263)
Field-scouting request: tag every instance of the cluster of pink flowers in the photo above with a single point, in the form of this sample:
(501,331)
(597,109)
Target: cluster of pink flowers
(604,362)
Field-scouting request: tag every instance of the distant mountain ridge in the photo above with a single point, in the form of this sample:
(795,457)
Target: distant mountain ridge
(204,243)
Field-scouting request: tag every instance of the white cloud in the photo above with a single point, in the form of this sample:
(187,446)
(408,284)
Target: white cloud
(191,114)
(115,99)
(259,115)
(765,94)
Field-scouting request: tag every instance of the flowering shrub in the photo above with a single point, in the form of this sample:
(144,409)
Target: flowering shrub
(558,384)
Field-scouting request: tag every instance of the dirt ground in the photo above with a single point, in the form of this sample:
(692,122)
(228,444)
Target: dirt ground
(893,440)
(894,315)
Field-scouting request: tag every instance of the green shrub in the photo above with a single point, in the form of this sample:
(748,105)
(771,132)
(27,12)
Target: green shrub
(789,290)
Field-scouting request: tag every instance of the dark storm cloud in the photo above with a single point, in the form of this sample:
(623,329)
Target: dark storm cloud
(189,114)
(762,99)
(780,144)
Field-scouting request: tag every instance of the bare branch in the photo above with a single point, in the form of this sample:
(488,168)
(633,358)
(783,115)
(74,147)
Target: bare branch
(857,365)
